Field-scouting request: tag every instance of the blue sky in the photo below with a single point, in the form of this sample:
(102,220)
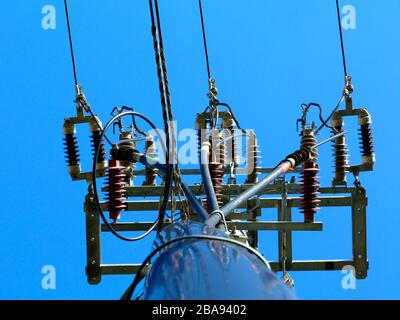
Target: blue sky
(268,57)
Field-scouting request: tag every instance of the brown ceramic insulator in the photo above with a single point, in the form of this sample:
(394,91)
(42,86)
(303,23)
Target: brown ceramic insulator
(216,166)
(309,191)
(341,158)
(217,174)
(309,140)
(253,160)
(115,189)
(150,176)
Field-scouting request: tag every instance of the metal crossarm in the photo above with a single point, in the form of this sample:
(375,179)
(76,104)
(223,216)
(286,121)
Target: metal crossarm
(246,218)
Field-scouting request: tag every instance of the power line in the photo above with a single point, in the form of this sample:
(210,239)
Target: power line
(70,42)
(341,38)
(204,39)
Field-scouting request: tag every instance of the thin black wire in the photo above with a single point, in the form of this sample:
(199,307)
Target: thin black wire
(204,40)
(161,71)
(331,114)
(175,172)
(70,42)
(341,38)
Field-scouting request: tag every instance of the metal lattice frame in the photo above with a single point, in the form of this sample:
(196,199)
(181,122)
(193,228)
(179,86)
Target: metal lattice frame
(271,196)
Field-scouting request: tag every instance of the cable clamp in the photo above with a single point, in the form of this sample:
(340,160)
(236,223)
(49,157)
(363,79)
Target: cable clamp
(212,92)
(222,216)
(348,88)
(80,99)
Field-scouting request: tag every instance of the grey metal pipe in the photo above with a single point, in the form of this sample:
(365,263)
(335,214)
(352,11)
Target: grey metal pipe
(206,176)
(215,218)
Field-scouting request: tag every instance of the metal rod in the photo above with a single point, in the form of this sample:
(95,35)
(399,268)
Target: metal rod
(206,177)
(329,139)
(214,219)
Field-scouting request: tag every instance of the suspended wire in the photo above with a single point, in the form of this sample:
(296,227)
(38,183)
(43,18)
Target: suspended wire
(343,97)
(85,105)
(173,174)
(331,114)
(176,172)
(204,40)
(341,38)
(70,42)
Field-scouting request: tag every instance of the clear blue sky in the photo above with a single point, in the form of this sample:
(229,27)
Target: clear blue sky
(268,57)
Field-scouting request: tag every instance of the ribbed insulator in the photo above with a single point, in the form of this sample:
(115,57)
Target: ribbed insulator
(150,176)
(217,174)
(253,160)
(341,158)
(309,191)
(309,140)
(71,149)
(235,148)
(366,140)
(116,190)
(216,166)
(366,137)
(95,140)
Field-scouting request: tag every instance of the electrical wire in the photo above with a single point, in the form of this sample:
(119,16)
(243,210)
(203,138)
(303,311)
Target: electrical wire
(165,111)
(131,289)
(70,42)
(341,38)
(204,40)
(83,103)
(306,108)
(173,172)
(331,115)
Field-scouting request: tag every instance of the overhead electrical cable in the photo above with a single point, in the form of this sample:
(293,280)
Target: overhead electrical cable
(341,38)
(80,98)
(70,42)
(204,40)
(346,76)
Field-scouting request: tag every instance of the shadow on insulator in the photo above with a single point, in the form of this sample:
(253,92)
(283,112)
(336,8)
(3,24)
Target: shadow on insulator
(71,148)
(253,159)
(340,152)
(115,189)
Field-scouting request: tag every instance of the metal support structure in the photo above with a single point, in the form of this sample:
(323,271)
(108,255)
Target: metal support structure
(246,218)
(93,261)
(359,231)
